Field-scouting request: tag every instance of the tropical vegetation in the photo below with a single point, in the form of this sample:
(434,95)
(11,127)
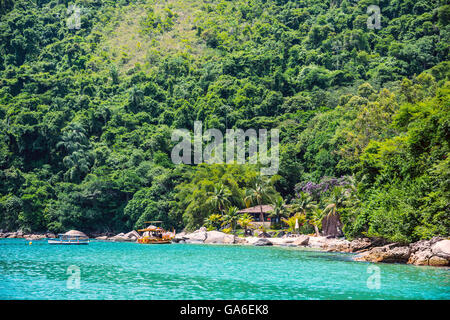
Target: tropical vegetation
(87,113)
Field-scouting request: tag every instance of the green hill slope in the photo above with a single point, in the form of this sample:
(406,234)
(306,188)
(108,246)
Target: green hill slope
(87,113)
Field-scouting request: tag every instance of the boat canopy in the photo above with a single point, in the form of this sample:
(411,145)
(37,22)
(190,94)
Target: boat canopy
(63,235)
(151,228)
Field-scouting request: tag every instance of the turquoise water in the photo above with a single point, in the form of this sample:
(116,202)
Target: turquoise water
(181,271)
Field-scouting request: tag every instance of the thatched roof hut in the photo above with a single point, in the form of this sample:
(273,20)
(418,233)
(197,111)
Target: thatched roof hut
(266,208)
(259,213)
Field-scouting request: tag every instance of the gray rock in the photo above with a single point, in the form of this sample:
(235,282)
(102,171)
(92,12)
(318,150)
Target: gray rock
(281,234)
(421,245)
(442,249)
(391,253)
(360,244)
(179,237)
(193,241)
(420,257)
(438,261)
(196,236)
(132,234)
(219,237)
(302,240)
(238,240)
(263,242)
(263,235)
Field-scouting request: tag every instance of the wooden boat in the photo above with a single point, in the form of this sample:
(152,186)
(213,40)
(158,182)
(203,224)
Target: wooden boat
(155,235)
(72,240)
(71,237)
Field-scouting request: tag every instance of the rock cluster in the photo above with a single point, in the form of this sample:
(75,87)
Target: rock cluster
(131,236)
(21,235)
(434,252)
(203,236)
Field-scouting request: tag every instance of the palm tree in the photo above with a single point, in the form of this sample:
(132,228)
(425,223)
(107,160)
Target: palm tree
(293,220)
(214,221)
(74,138)
(262,191)
(316,219)
(279,209)
(231,218)
(303,203)
(79,158)
(245,221)
(339,198)
(219,197)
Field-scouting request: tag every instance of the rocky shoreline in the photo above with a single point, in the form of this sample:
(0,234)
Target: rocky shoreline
(131,236)
(433,252)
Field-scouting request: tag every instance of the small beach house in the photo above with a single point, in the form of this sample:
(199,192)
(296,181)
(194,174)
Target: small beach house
(255,212)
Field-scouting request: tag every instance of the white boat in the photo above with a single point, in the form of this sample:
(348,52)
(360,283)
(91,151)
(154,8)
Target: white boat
(71,237)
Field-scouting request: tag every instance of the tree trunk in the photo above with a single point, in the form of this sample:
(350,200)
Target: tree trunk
(261,215)
(332,226)
(317,230)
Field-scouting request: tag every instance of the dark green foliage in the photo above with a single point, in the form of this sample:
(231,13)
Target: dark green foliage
(86,119)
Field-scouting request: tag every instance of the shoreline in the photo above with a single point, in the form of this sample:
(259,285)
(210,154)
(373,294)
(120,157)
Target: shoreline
(434,252)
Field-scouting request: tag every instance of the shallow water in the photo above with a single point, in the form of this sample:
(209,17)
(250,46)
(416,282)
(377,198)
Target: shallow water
(109,270)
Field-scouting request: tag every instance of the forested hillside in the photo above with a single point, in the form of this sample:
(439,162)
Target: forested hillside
(87,113)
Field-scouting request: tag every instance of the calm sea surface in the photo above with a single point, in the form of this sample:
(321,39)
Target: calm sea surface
(110,270)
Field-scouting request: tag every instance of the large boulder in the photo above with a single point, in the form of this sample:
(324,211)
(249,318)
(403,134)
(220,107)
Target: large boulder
(281,234)
(179,237)
(434,252)
(282,241)
(119,238)
(438,261)
(132,235)
(360,244)
(317,242)
(262,234)
(442,249)
(123,237)
(263,242)
(219,237)
(198,236)
(239,240)
(34,236)
(420,258)
(302,240)
(336,245)
(391,253)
